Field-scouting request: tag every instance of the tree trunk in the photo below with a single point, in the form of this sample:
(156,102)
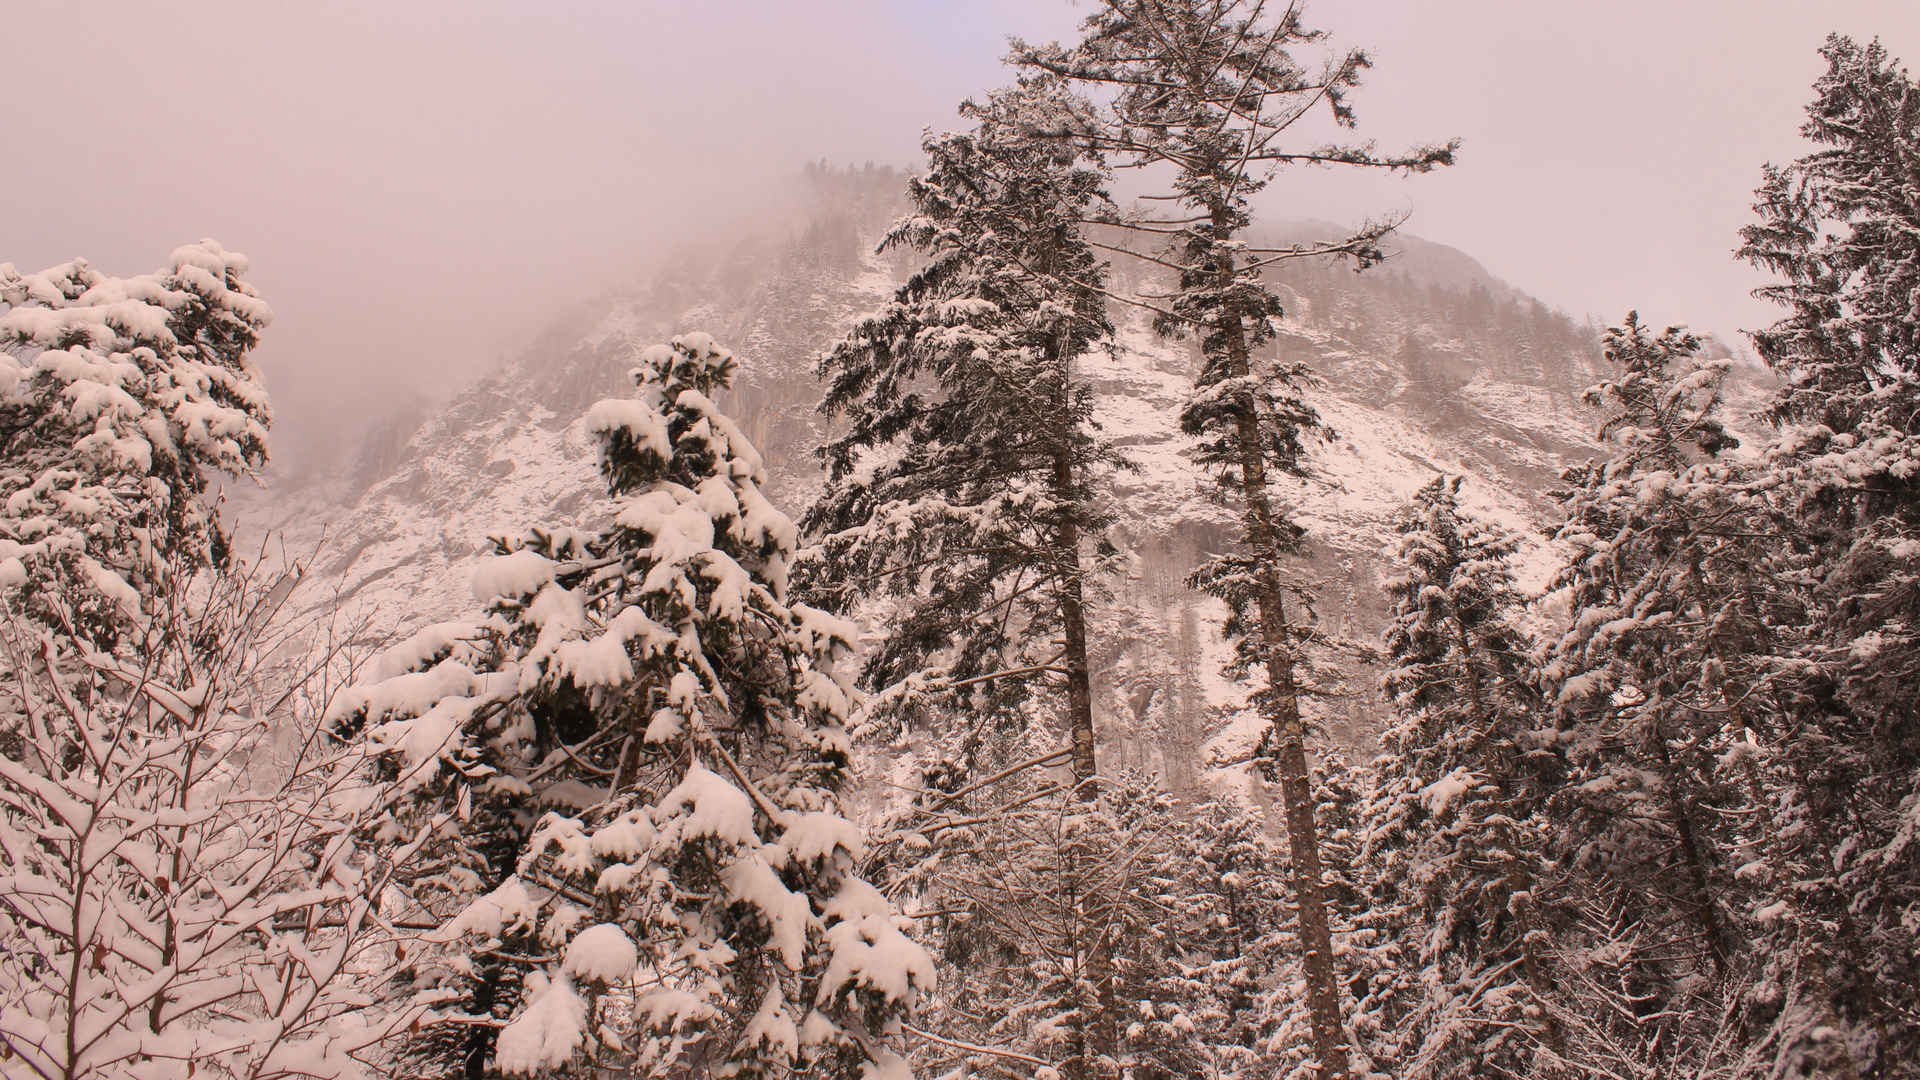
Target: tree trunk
(1073,623)
(1100,1030)
(1066,556)
(1281,704)
(1692,854)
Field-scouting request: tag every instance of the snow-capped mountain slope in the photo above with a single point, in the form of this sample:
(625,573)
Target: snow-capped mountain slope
(399,527)
(1431,365)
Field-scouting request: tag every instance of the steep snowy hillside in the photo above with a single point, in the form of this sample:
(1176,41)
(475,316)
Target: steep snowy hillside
(1431,365)
(399,524)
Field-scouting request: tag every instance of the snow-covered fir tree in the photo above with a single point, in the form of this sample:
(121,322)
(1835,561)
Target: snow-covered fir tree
(1453,838)
(120,398)
(1368,927)
(963,491)
(1664,592)
(1166,931)
(1839,229)
(961,506)
(1229,916)
(1208,91)
(656,730)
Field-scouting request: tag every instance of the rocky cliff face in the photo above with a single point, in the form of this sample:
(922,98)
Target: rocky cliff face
(1430,364)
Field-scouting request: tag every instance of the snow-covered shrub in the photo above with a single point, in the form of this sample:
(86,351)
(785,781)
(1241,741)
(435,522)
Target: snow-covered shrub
(182,884)
(181,887)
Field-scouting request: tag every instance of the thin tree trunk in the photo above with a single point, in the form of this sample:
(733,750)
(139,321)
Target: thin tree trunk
(1719,948)
(477,1047)
(1073,621)
(1281,705)
(1101,1031)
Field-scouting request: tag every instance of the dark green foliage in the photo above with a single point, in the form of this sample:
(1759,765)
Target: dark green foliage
(963,485)
(1665,600)
(1840,230)
(1454,837)
(644,740)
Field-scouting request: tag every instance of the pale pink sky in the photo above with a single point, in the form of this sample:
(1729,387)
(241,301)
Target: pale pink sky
(418,181)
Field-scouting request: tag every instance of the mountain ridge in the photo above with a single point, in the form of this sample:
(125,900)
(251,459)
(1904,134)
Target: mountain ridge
(1430,364)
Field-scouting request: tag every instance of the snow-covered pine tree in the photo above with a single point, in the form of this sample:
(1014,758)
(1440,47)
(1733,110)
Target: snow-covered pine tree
(1369,918)
(118,398)
(1666,593)
(1840,230)
(691,902)
(486,986)
(960,504)
(1207,89)
(1454,842)
(1166,934)
(962,492)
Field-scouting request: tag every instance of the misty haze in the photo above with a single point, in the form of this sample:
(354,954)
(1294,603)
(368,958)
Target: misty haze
(1113,540)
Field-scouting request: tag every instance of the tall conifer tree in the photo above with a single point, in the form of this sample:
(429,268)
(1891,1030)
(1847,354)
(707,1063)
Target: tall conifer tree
(1647,685)
(1840,230)
(1208,91)
(689,899)
(1454,839)
(963,490)
(963,487)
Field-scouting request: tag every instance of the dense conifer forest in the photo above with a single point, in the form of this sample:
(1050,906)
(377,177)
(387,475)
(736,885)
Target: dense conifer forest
(953,652)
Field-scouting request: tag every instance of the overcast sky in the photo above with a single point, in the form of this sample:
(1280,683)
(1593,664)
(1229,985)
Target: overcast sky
(418,181)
